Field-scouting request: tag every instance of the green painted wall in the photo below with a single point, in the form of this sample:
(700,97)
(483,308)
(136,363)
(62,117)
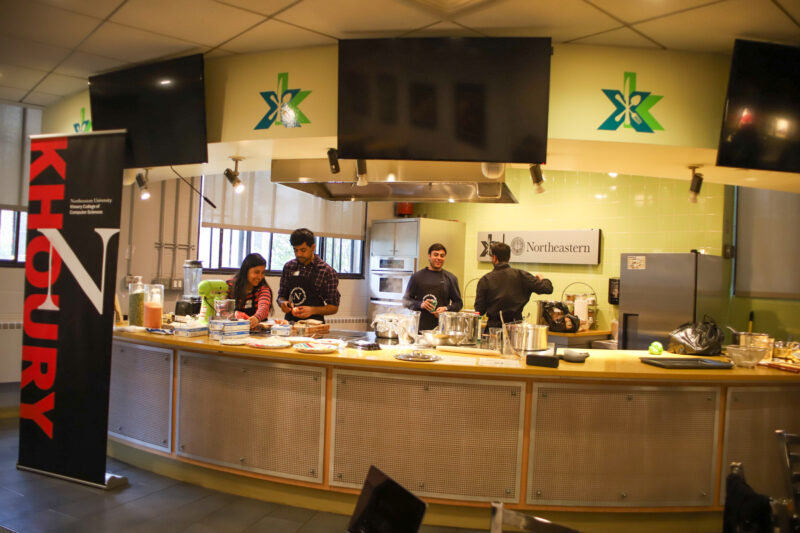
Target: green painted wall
(635,214)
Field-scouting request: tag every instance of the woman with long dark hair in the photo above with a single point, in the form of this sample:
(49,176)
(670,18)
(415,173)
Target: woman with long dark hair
(251,292)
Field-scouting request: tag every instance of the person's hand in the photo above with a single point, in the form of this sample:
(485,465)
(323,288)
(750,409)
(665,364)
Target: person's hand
(286,306)
(538,276)
(440,310)
(302,311)
(253,321)
(427,305)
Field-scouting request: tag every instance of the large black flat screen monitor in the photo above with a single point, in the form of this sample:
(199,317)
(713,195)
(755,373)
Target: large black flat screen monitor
(761,124)
(446,99)
(384,506)
(163,107)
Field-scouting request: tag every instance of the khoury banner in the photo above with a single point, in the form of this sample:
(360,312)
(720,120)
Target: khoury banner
(570,247)
(70,271)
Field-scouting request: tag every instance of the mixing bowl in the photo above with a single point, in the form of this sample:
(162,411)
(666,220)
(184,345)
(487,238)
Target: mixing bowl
(746,356)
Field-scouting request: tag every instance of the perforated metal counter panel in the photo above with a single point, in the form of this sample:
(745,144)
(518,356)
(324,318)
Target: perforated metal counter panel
(622,446)
(140,395)
(438,437)
(252,415)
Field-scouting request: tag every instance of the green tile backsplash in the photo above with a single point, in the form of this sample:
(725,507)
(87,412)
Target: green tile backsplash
(635,214)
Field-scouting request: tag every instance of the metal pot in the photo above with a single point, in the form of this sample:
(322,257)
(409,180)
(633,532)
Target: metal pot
(460,328)
(524,337)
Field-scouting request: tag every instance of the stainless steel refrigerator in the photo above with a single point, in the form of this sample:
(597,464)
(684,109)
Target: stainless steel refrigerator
(659,292)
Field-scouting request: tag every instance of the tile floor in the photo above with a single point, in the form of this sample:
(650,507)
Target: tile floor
(31,503)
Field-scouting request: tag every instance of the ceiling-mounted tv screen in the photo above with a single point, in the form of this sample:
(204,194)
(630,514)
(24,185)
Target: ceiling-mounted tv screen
(444,99)
(761,122)
(163,107)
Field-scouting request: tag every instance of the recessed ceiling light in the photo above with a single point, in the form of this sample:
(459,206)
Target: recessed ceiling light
(165,82)
(613,174)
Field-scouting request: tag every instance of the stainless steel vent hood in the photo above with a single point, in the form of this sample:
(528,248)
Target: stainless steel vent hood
(406,181)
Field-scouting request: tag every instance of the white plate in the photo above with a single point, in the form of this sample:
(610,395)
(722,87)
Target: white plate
(313,347)
(269,342)
(295,340)
(339,343)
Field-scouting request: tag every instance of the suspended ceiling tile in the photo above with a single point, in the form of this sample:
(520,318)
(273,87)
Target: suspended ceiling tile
(624,37)
(273,35)
(354,19)
(262,7)
(30,54)
(635,11)
(62,85)
(200,21)
(563,21)
(45,24)
(133,45)
(83,65)
(714,28)
(445,29)
(11,93)
(41,99)
(20,77)
(94,8)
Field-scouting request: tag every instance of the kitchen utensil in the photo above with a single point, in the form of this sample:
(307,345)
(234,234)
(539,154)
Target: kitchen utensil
(416,355)
(434,337)
(400,325)
(525,337)
(468,350)
(746,356)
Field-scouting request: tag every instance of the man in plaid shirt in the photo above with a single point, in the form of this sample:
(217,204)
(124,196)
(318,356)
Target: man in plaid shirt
(309,286)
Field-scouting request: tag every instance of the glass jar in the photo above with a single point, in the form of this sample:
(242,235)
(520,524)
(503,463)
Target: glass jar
(136,302)
(153,305)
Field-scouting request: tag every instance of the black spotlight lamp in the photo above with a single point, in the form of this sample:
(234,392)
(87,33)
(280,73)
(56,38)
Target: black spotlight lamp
(361,172)
(233,175)
(697,183)
(141,181)
(537,178)
(333,160)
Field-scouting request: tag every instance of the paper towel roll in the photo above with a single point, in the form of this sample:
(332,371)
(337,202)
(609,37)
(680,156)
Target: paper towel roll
(582,309)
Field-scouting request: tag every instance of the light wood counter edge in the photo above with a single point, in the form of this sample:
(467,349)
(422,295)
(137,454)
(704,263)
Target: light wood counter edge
(601,364)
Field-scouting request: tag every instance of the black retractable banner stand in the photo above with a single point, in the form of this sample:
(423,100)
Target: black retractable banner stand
(70,276)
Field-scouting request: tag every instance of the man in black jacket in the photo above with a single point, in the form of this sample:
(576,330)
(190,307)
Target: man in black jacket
(433,289)
(507,289)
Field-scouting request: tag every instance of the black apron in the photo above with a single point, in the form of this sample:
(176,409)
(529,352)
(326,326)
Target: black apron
(248,307)
(440,289)
(302,292)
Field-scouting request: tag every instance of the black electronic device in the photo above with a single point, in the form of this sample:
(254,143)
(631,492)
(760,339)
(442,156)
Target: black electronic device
(449,99)
(762,108)
(333,160)
(549,361)
(386,506)
(163,107)
(613,291)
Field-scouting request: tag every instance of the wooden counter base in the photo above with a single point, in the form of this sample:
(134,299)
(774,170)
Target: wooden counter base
(607,438)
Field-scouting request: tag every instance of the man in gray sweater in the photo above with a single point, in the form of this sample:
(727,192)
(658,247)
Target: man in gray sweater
(433,290)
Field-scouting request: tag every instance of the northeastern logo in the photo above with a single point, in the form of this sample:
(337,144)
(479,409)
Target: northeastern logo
(284,106)
(517,245)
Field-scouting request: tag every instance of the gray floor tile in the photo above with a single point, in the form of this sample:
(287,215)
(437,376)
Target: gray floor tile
(295,514)
(35,521)
(271,524)
(325,523)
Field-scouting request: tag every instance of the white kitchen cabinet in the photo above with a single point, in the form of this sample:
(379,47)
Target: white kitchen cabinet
(394,238)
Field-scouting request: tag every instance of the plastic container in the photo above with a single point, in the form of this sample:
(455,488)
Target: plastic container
(136,302)
(153,305)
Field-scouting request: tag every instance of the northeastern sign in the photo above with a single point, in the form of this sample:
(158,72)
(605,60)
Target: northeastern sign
(567,247)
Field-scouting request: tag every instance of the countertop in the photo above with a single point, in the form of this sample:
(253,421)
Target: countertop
(601,364)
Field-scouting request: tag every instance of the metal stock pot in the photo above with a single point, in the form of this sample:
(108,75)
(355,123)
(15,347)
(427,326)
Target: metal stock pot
(525,337)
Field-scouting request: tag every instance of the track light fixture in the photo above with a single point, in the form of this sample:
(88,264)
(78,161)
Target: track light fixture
(537,178)
(141,181)
(233,175)
(333,160)
(697,183)
(361,172)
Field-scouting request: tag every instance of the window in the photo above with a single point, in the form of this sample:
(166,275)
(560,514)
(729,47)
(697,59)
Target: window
(223,249)
(13,231)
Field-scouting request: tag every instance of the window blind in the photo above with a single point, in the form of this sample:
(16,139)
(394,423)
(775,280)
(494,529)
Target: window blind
(16,123)
(266,206)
